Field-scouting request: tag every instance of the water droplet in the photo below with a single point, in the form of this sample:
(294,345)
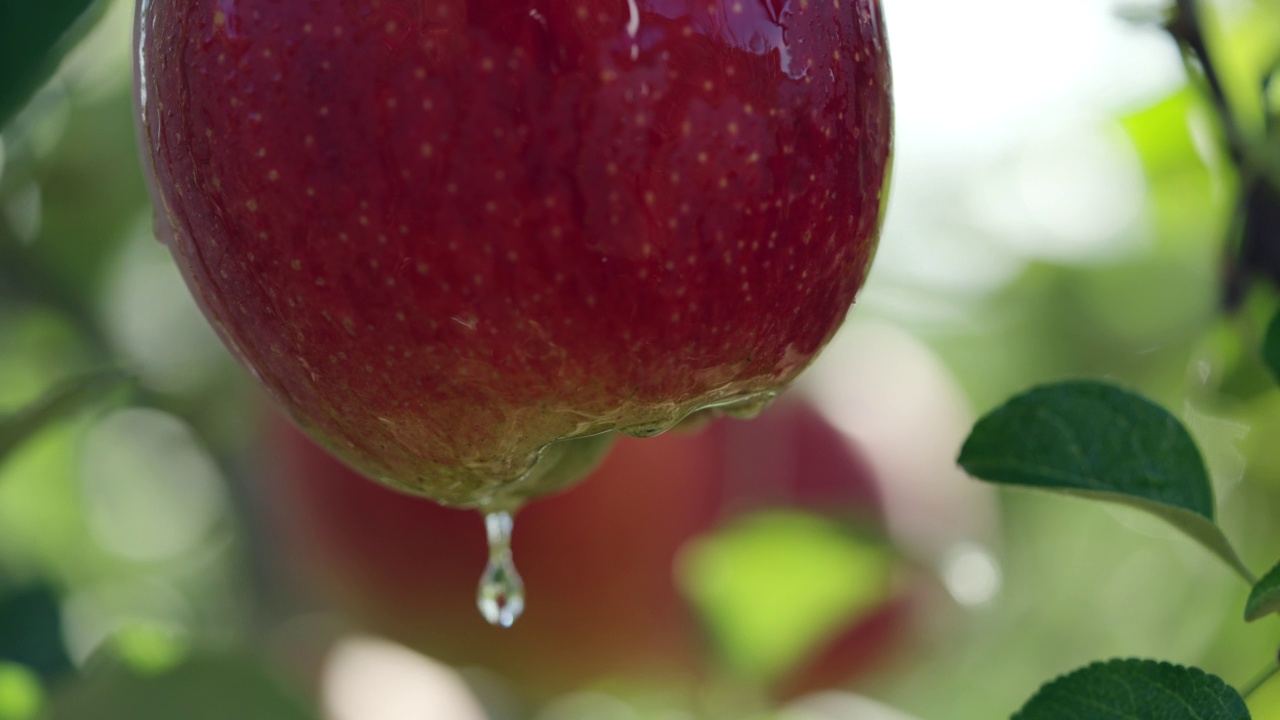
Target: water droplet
(646,430)
(500,595)
(468,320)
(750,406)
(144,19)
(633,23)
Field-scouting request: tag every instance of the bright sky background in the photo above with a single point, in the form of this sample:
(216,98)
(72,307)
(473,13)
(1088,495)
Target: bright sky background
(1005,151)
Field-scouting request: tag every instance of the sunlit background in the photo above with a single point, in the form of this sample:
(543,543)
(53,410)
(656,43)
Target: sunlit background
(1058,209)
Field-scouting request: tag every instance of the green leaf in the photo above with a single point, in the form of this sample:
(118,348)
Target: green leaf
(61,401)
(148,649)
(1135,690)
(1264,599)
(1179,199)
(21,695)
(34,35)
(1271,346)
(774,586)
(207,687)
(1095,440)
(31,631)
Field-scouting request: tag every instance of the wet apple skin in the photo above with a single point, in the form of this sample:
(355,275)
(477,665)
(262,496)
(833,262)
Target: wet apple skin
(444,234)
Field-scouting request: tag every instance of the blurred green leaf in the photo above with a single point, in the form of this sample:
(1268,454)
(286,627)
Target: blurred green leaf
(58,403)
(21,695)
(150,650)
(208,687)
(31,631)
(1237,372)
(1264,599)
(1095,440)
(1271,346)
(771,587)
(1181,199)
(34,35)
(1135,690)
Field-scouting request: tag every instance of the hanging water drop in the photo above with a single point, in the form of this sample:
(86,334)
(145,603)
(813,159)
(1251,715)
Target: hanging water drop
(500,595)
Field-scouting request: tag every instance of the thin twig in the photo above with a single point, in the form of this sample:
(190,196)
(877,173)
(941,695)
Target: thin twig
(1187,29)
(1260,679)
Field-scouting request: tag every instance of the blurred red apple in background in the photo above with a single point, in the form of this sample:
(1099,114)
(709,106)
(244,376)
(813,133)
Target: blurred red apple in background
(597,560)
(883,386)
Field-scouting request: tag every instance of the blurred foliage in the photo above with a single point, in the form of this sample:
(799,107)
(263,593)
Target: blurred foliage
(1271,347)
(33,38)
(17,427)
(207,687)
(31,631)
(21,696)
(771,586)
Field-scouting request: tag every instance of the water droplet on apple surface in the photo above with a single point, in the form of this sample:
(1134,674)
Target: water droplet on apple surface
(143,20)
(757,26)
(500,595)
(750,406)
(646,430)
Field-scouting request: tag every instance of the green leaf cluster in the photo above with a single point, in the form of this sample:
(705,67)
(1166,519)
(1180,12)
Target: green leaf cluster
(1099,441)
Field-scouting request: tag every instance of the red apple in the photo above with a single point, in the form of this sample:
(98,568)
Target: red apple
(597,560)
(446,234)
